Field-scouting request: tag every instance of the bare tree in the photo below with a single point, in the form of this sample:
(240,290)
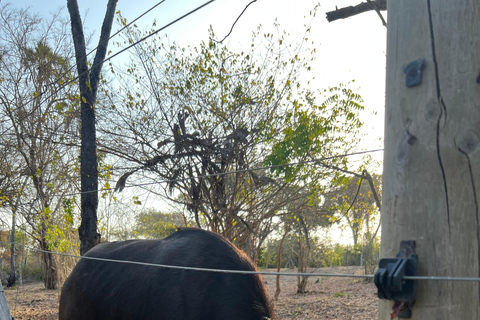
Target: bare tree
(88,83)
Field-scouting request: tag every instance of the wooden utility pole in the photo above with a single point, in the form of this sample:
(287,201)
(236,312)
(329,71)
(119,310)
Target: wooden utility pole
(431,190)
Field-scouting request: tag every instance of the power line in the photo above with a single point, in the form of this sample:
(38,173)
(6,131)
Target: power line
(238,18)
(112,36)
(40,94)
(128,25)
(116,54)
(144,38)
(268,273)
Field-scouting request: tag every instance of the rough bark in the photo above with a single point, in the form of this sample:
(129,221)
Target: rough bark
(51,274)
(279,260)
(12,278)
(432,160)
(350,11)
(88,83)
(303,258)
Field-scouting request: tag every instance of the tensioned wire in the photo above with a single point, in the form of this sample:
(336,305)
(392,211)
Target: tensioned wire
(292,274)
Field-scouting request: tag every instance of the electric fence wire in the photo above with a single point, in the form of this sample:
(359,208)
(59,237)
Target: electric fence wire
(268,273)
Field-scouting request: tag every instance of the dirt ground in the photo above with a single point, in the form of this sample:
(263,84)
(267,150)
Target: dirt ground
(328,298)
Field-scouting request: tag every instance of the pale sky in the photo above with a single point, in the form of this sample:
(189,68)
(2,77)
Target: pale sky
(349,49)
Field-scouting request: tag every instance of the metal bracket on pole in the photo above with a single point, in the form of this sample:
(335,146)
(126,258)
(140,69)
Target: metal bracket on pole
(413,73)
(390,281)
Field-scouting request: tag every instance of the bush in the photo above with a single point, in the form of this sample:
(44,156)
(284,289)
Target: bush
(31,271)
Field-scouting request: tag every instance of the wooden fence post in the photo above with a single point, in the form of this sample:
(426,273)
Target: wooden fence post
(431,179)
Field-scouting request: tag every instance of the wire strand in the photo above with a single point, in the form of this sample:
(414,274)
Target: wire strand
(94,49)
(109,58)
(189,268)
(268,273)
(40,94)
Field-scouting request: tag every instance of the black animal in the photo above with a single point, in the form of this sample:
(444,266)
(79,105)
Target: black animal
(110,290)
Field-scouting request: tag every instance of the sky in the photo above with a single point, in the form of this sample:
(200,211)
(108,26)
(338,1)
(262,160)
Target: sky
(349,49)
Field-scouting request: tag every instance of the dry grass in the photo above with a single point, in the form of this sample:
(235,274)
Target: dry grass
(329,298)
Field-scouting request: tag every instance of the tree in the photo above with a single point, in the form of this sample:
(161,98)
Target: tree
(155,224)
(431,166)
(88,83)
(38,114)
(10,196)
(313,131)
(354,201)
(13,201)
(187,114)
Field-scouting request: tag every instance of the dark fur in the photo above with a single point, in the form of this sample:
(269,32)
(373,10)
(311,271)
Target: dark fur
(109,290)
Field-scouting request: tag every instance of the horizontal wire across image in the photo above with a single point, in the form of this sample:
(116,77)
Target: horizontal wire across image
(288,274)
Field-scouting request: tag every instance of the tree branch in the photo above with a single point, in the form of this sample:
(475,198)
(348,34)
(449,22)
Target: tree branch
(378,12)
(369,178)
(348,12)
(233,25)
(102,46)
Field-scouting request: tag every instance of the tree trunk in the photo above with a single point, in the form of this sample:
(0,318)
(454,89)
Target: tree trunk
(12,278)
(51,275)
(279,260)
(370,264)
(431,173)
(303,257)
(88,82)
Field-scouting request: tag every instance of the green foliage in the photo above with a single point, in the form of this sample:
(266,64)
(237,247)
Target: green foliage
(315,131)
(183,112)
(320,256)
(154,224)
(269,253)
(352,200)
(31,267)
(267,256)
(343,255)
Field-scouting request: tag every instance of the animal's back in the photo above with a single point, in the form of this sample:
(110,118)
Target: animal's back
(110,290)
